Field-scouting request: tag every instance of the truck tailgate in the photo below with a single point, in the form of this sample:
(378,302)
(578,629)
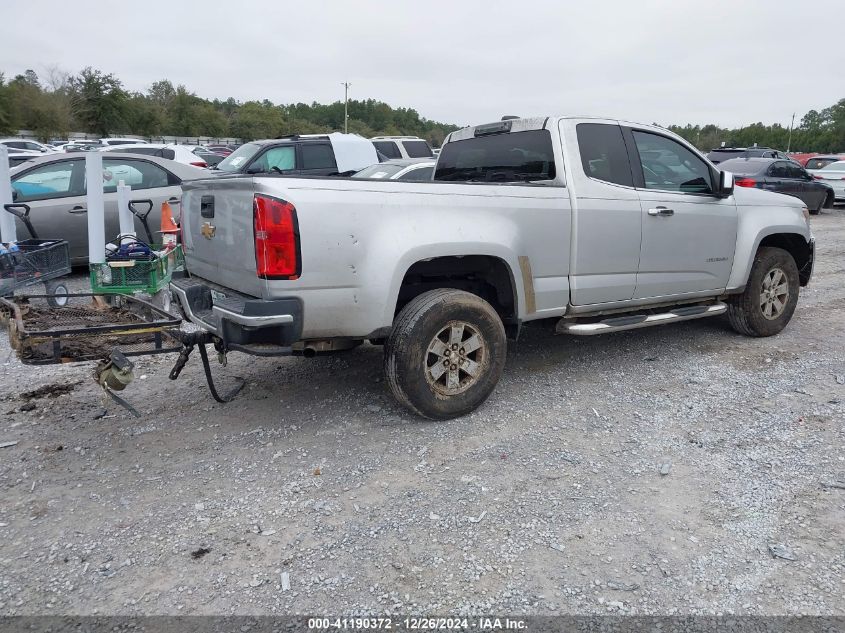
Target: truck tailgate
(218,235)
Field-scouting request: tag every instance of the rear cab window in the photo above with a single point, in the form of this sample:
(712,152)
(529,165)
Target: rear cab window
(505,157)
(603,153)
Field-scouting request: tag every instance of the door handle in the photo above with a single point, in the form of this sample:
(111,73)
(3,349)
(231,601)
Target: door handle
(661,211)
(77,210)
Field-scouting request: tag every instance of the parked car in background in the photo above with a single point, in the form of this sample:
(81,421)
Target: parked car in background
(19,156)
(211,159)
(402,146)
(833,175)
(720,154)
(121,141)
(306,154)
(54,188)
(180,153)
(33,146)
(399,169)
(822,160)
(83,146)
(223,150)
(802,157)
(780,176)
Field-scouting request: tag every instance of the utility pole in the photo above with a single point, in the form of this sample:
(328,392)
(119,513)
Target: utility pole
(789,142)
(346,85)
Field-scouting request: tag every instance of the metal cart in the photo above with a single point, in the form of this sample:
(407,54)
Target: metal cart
(149,274)
(36,261)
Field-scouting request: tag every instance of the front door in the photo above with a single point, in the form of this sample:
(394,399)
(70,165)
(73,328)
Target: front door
(55,194)
(688,233)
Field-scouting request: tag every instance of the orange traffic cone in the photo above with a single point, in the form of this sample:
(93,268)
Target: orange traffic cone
(169,229)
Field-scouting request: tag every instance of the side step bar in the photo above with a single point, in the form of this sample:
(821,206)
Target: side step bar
(634,321)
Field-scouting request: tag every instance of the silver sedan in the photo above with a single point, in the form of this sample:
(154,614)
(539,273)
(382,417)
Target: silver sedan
(53,186)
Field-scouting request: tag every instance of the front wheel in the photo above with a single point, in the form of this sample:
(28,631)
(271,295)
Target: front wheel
(445,353)
(770,296)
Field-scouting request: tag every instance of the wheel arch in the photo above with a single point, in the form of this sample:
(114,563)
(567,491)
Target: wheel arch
(494,276)
(788,238)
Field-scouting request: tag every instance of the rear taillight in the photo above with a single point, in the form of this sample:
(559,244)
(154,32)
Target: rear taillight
(817,177)
(200,163)
(745,182)
(276,239)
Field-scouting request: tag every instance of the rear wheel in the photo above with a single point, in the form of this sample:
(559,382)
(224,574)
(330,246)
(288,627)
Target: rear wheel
(770,296)
(57,292)
(445,353)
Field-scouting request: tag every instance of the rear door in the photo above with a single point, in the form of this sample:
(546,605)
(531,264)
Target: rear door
(149,182)
(607,228)
(688,233)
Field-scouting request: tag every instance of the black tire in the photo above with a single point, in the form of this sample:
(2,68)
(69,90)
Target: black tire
(56,287)
(410,365)
(746,311)
(829,201)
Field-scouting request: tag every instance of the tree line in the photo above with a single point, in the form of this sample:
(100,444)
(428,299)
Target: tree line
(93,101)
(817,131)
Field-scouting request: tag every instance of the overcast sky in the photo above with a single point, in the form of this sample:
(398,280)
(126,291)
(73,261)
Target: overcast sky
(464,62)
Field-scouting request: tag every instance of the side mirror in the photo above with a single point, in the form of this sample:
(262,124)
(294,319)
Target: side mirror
(726,183)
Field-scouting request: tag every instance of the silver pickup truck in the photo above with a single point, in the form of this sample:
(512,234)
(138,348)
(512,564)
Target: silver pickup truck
(603,225)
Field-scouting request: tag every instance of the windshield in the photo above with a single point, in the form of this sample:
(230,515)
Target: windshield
(379,170)
(238,159)
(510,157)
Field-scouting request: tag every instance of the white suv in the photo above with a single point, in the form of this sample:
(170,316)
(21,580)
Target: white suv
(402,146)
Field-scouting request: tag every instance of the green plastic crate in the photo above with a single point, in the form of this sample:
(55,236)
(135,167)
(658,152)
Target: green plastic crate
(128,276)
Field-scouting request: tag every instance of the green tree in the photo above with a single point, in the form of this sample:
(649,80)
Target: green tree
(97,101)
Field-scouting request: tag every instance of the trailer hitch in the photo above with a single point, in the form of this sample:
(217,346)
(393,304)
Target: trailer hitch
(200,340)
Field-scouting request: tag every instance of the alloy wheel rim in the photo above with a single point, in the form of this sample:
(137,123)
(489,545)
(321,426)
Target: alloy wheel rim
(774,294)
(455,358)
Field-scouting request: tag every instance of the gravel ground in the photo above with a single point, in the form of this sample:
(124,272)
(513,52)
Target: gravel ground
(551,498)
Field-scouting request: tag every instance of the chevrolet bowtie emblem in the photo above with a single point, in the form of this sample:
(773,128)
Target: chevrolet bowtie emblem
(207,230)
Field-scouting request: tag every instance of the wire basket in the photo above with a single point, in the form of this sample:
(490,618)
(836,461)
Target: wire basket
(35,261)
(123,275)
(82,330)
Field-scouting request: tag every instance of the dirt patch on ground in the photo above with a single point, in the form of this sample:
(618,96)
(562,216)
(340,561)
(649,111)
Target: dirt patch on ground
(53,390)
